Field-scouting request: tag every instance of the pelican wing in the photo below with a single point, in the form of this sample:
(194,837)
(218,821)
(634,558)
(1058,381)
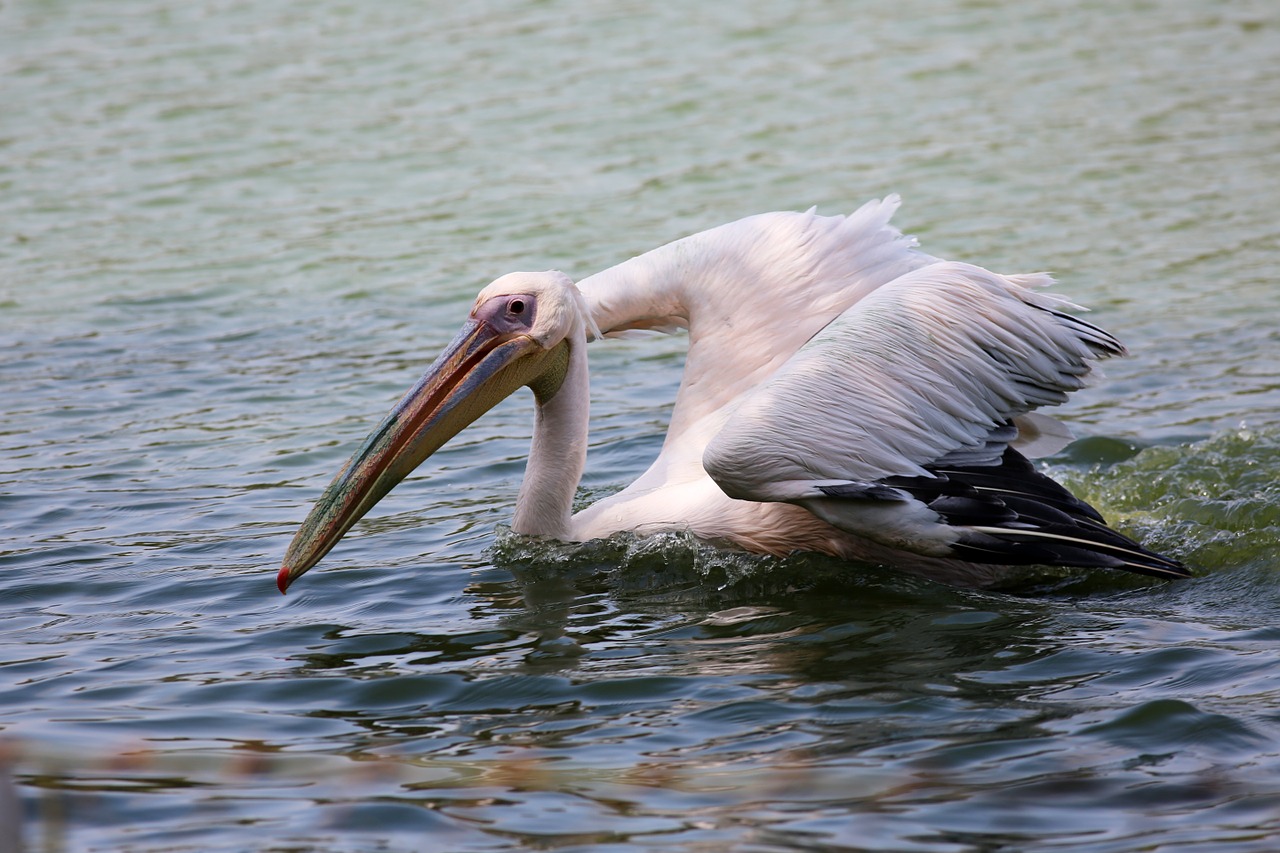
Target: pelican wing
(750,292)
(934,363)
(895,422)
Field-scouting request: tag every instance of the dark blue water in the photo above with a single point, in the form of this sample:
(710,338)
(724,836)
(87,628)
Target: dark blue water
(231,235)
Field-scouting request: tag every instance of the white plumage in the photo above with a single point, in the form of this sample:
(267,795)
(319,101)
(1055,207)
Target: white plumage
(843,393)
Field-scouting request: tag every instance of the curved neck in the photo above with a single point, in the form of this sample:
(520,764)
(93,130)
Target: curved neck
(557,455)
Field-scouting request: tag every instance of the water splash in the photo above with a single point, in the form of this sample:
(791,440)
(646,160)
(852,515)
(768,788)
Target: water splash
(658,562)
(1212,503)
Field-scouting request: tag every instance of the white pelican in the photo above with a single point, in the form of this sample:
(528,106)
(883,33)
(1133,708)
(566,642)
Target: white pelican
(844,393)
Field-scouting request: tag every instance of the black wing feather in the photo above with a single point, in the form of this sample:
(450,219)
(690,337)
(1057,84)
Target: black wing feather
(1012,513)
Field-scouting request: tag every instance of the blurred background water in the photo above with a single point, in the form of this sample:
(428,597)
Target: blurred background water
(232,233)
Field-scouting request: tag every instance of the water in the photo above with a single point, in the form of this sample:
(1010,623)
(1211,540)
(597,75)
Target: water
(232,233)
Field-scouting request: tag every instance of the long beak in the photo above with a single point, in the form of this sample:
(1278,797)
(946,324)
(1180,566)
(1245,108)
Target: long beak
(480,367)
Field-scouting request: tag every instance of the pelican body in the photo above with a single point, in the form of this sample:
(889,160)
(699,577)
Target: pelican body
(844,393)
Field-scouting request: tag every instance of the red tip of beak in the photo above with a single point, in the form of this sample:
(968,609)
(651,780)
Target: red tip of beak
(282,579)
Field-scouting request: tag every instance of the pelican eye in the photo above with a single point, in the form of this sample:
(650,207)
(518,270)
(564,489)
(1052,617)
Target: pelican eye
(516,307)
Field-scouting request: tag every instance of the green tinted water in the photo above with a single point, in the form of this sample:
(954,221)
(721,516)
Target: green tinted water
(231,234)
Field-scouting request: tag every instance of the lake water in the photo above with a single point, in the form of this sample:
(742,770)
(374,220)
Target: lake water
(232,233)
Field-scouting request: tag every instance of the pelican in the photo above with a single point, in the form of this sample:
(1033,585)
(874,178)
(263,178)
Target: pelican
(843,393)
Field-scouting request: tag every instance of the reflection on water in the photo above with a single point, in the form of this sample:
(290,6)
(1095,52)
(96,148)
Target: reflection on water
(684,708)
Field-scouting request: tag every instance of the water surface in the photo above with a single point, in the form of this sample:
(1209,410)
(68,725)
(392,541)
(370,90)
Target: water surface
(231,234)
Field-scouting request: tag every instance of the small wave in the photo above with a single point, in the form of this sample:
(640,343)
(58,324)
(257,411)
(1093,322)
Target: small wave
(678,566)
(1213,503)
(662,559)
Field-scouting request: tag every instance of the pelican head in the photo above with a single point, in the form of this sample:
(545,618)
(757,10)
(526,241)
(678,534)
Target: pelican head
(520,333)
